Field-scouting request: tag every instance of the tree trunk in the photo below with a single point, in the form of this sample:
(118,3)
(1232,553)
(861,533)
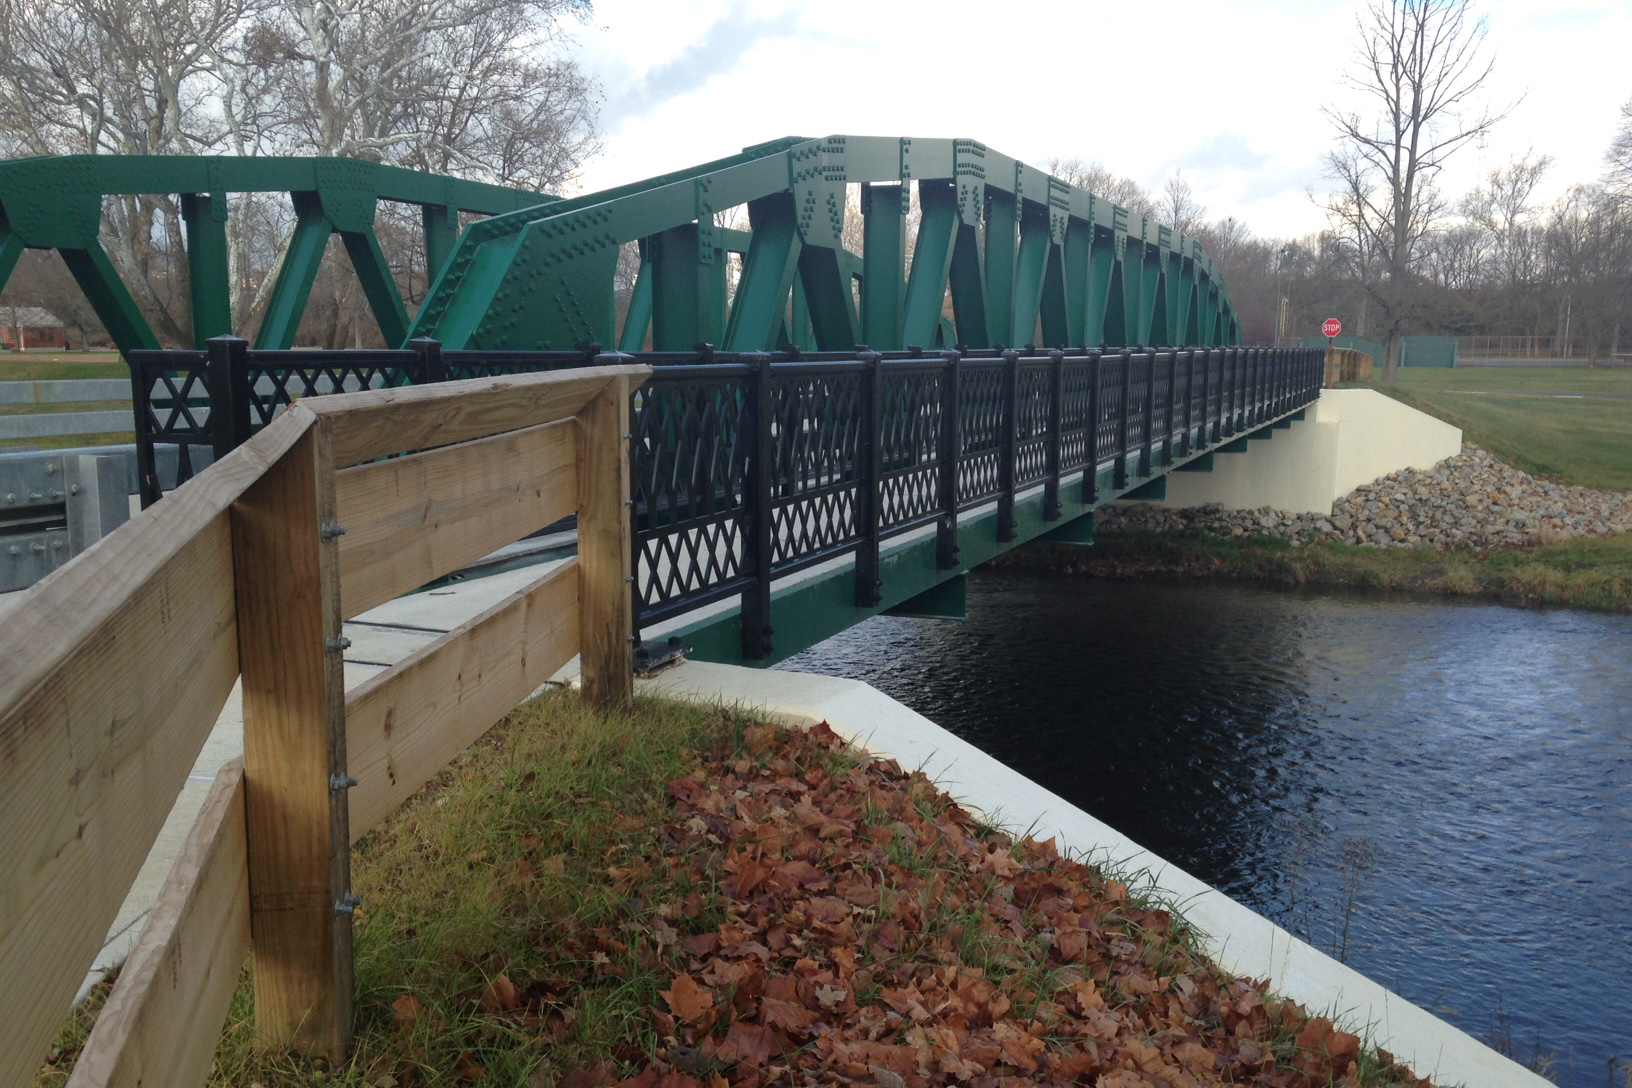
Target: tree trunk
(1391,356)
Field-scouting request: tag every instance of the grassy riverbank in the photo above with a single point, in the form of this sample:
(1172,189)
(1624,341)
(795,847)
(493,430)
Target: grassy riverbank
(1583,439)
(684,898)
(1588,573)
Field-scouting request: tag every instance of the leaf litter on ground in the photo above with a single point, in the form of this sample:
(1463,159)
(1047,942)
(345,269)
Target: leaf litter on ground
(866,930)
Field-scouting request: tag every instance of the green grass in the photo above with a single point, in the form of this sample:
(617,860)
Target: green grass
(1586,442)
(68,441)
(43,366)
(1593,573)
(61,406)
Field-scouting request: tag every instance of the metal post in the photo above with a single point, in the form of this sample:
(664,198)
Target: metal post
(226,377)
(1090,472)
(147,471)
(1189,398)
(1205,437)
(1006,529)
(1145,464)
(946,533)
(869,473)
(429,366)
(1056,394)
(1119,475)
(756,596)
(1172,402)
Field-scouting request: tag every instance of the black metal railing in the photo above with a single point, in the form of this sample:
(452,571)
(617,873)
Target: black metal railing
(748,468)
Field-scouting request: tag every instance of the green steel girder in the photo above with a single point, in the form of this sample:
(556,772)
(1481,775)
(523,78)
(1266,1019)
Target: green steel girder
(1010,244)
(56,203)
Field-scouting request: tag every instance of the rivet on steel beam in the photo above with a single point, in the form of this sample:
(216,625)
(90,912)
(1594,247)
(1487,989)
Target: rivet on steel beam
(331,530)
(336,645)
(338,782)
(37,548)
(347,904)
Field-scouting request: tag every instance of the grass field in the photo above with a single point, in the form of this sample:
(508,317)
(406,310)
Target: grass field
(42,366)
(1585,441)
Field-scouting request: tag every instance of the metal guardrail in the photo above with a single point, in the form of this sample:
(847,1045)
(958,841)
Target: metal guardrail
(750,467)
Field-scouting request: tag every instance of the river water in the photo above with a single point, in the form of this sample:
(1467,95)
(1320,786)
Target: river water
(1439,793)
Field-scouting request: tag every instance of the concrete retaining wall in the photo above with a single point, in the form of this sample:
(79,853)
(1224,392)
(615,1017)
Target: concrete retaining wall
(1349,437)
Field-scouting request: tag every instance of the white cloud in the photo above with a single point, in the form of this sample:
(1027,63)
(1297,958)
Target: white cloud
(1230,93)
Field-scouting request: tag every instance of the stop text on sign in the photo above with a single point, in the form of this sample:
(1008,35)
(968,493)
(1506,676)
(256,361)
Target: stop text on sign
(1331,327)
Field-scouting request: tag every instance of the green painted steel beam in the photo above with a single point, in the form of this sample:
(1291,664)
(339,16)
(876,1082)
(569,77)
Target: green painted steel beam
(768,268)
(11,251)
(1151,491)
(948,600)
(109,297)
(47,182)
(1204,463)
(374,273)
(1009,243)
(209,277)
(998,296)
(440,224)
(1031,268)
(931,262)
(1079,530)
(293,287)
(884,250)
(638,321)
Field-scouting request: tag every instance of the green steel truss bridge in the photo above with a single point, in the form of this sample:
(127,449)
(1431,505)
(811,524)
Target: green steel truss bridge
(828,433)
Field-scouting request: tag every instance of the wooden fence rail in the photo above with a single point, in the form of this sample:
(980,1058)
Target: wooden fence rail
(117,666)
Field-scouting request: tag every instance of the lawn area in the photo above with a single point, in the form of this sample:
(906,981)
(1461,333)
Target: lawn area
(1587,442)
(682,898)
(40,366)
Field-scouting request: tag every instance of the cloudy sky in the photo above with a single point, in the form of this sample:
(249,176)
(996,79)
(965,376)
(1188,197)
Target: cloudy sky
(1229,93)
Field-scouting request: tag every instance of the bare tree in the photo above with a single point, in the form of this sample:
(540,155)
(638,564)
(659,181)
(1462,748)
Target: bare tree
(1178,207)
(1619,155)
(1099,180)
(1419,63)
(474,88)
(1589,243)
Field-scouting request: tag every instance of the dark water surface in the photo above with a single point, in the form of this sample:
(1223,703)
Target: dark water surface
(1462,772)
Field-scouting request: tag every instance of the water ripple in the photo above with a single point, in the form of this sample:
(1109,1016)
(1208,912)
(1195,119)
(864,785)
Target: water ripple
(1270,741)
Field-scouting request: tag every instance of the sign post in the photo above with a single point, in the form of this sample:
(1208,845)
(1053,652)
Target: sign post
(1330,328)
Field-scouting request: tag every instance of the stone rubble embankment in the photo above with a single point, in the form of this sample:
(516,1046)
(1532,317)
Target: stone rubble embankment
(1470,501)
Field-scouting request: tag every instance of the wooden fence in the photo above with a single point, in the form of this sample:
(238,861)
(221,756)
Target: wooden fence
(1347,365)
(117,666)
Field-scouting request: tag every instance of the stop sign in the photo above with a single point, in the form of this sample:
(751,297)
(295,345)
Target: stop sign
(1331,327)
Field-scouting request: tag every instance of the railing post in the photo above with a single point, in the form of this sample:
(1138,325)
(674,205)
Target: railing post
(1090,472)
(1189,398)
(605,595)
(1119,475)
(869,474)
(147,470)
(756,596)
(227,378)
(431,366)
(1146,466)
(286,571)
(946,532)
(1056,393)
(1172,402)
(1006,529)
(1205,438)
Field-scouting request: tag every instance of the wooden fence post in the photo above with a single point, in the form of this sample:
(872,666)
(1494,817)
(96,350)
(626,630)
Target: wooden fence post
(287,575)
(605,601)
